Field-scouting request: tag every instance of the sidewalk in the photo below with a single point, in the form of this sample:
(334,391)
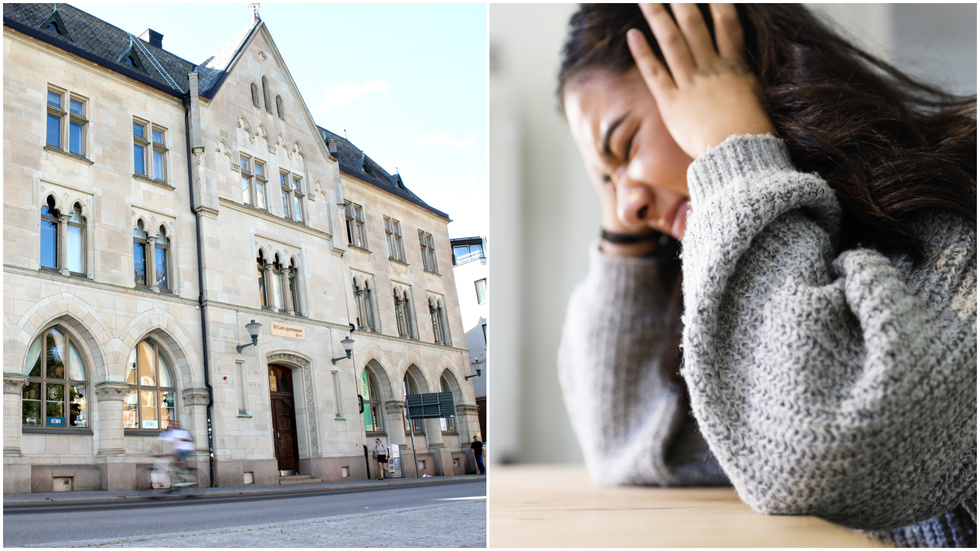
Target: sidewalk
(23,500)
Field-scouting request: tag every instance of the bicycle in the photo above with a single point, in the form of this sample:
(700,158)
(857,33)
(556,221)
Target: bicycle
(168,477)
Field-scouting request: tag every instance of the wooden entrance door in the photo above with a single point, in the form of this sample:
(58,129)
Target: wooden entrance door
(283,418)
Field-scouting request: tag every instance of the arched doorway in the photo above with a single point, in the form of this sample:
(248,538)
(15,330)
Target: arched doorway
(283,419)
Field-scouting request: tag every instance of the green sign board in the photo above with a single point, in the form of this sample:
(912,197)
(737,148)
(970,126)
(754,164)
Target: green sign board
(430,406)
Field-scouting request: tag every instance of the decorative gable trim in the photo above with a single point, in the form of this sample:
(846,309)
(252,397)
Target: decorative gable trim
(54,20)
(131,58)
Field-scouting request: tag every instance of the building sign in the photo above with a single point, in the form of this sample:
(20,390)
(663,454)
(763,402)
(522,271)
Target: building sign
(291,331)
(430,406)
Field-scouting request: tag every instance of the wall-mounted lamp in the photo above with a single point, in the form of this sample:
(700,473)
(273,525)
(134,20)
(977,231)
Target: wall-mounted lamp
(253,331)
(476,367)
(348,344)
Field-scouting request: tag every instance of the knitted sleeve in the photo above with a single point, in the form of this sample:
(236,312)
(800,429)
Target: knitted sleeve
(630,417)
(834,383)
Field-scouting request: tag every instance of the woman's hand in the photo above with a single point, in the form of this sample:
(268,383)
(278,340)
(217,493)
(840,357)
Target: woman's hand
(707,95)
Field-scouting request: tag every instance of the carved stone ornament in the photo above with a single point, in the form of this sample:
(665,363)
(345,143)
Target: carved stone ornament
(111,391)
(395,406)
(291,358)
(13,384)
(195,396)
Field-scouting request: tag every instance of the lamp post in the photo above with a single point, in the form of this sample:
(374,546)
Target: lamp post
(476,367)
(253,331)
(348,344)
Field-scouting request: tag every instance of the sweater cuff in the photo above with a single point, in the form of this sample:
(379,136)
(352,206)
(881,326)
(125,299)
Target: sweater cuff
(736,157)
(626,281)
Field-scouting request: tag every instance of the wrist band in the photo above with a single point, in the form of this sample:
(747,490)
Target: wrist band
(629,238)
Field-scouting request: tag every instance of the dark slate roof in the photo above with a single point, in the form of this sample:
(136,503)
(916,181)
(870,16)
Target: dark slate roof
(93,39)
(353,161)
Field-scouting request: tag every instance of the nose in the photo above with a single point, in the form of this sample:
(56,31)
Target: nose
(634,204)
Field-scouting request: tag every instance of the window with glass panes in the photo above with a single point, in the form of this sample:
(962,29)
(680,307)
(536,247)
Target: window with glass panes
(448,424)
(413,387)
(354,215)
(264,301)
(403,314)
(393,232)
(253,184)
(56,393)
(149,150)
(62,234)
(464,253)
(72,132)
(365,306)
(481,290)
(428,247)
(151,403)
(140,254)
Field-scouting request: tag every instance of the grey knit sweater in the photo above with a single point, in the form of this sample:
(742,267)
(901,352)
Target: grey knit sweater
(828,382)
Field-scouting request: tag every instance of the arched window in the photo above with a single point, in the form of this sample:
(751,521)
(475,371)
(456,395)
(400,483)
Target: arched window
(140,254)
(373,403)
(440,328)
(56,393)
(294,285)
(49,234)
(365,306)
(414,385)
(279,283)
(76,241)
(282,114)
(263,289)
(151,402)
(255,95)
(265,94)
(162,261)
(448,423)
(403,314)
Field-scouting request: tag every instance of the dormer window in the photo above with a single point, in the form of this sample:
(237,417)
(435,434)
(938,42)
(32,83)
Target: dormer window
(130,58)
(54,24)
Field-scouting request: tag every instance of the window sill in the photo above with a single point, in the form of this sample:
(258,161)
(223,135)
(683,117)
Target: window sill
(160,183)
(84,431)
(244,415)
(433,273)
(397,261)
(69,154)
(339,417)
(143,432)
(356,248)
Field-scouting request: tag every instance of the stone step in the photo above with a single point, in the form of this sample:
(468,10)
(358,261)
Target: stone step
(298,479)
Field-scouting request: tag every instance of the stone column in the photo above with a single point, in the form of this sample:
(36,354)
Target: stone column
(270,288)
(112,439)
(63,245)
(468,426)
(118,471)
(16,467)
(397,427)
(441,455)
(195,420)
(13,391)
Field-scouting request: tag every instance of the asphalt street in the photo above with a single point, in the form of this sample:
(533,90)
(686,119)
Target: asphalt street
(421,515)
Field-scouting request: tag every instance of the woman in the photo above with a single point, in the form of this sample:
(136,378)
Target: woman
(826,208)
(381,454)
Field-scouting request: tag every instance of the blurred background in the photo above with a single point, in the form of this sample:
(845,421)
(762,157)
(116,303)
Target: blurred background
(544,213)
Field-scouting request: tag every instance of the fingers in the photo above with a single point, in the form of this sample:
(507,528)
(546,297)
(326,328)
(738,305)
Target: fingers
(672,43)
(651,69)
(695,32)
(728,32)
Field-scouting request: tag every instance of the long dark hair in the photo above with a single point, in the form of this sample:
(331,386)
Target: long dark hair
(890,146)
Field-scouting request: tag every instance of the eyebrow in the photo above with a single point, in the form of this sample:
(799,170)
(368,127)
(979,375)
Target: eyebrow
(607,153)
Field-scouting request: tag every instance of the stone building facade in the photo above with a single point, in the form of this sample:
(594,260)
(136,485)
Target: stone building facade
(153,208)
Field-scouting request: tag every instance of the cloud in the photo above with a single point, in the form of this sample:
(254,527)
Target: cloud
(444,139)
(344,94)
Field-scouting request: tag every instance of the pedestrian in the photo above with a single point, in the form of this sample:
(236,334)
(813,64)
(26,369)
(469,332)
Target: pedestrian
(807,214)
(477,447)
(381,453)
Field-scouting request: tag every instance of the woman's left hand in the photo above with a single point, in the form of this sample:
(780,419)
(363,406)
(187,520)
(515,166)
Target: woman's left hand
(707,95)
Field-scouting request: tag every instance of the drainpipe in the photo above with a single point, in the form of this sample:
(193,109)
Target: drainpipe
(191,104)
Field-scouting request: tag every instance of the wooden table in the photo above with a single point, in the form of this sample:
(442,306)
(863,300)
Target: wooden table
(559,506)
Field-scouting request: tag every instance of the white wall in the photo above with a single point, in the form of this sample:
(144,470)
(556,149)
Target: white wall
(543,210)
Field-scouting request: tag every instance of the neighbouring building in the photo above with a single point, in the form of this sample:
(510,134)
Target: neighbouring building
(470,269)
(153,208)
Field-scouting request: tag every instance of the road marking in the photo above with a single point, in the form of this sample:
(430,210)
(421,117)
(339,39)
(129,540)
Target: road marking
(461,498)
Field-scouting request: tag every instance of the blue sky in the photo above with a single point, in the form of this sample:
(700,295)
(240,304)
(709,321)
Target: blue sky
(407,82)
